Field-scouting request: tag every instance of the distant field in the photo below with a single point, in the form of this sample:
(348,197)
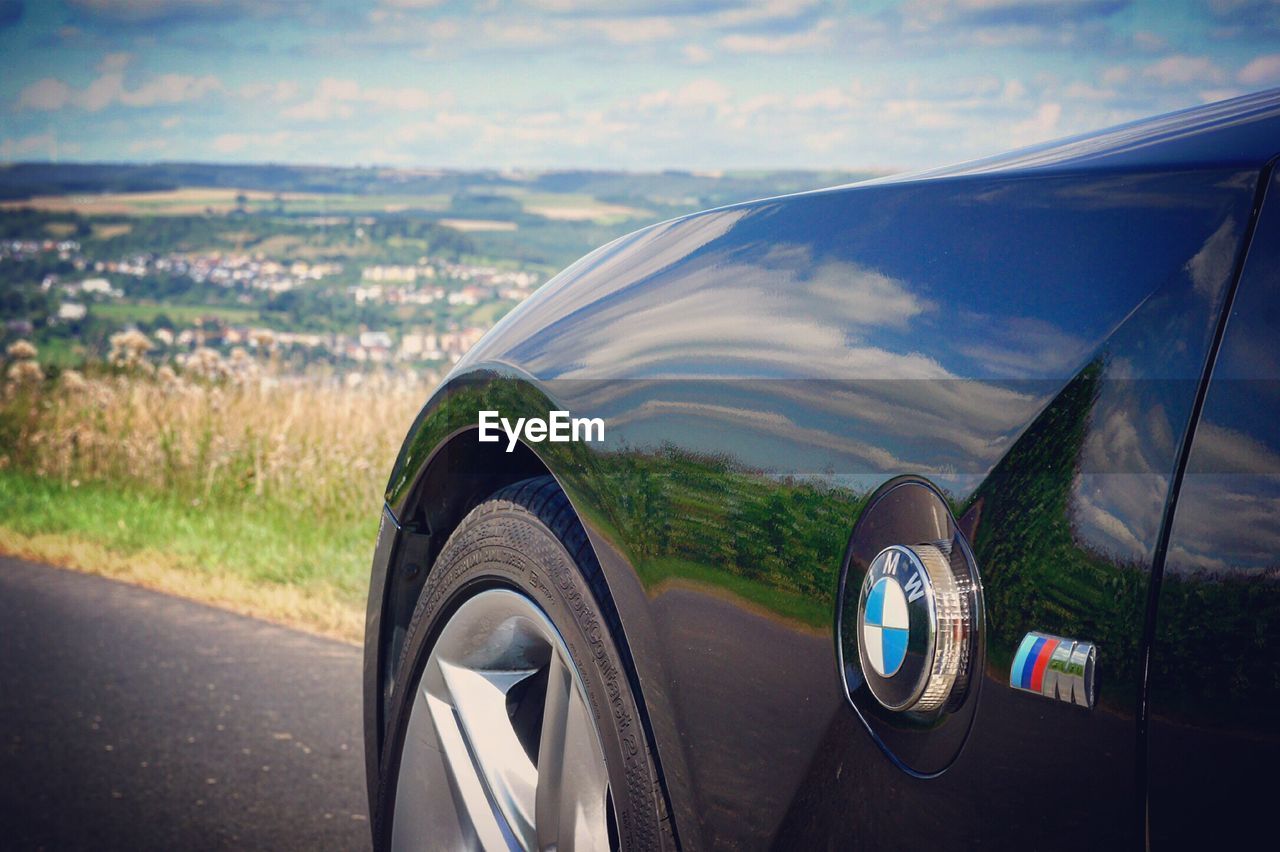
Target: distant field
(468,225)
(572,207)
(178,202)
(189,201)
(107,232)
(146,312)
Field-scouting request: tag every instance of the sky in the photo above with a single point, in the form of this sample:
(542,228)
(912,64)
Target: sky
(707,85)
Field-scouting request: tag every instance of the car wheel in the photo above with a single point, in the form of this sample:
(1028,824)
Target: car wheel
(520,729)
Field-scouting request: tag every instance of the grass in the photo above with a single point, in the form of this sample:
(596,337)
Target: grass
(261,559)
(185,314)
(255,491)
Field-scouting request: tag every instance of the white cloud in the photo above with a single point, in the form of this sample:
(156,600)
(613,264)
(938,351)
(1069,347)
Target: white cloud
(1181,69)
(831,98)
(522,33)
(1209,96)
(1087,92)
(824,142)
(1210,269)
(169,89)
(634,30)
(159,11)
(818,36)
(703,92)
(759,12)
(922,113)
(45,144)
(278,92)
(438,126)
(46,94)
(1013,90)
(696,54)
(1263,71)
(151,145)
(1040,127)
(863,296)
(231,143)
(1146,40)
(114,62)
(336,98)
(109,88)
(1117,75)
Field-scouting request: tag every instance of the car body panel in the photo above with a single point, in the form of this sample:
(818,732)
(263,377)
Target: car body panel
(1030,339)
(1215,674)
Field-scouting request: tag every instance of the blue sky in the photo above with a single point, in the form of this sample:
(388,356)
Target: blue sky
(709,85)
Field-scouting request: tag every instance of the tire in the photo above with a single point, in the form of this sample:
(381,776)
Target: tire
(523,545)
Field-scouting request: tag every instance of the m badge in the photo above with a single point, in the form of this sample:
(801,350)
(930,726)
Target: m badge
(1055,667)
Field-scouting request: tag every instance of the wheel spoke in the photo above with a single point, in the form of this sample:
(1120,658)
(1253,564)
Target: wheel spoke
(428,796)
(585,782)
(467,771)
(551,748)
(491,749)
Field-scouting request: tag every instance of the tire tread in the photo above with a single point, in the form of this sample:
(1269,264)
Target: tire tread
(543,498)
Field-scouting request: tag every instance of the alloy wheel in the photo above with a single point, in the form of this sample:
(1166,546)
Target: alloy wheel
(501,749)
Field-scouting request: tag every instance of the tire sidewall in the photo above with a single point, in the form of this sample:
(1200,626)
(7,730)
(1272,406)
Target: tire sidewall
(504,545)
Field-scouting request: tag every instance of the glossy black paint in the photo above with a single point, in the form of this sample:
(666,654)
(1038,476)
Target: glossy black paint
(1215,681)
(1029,335)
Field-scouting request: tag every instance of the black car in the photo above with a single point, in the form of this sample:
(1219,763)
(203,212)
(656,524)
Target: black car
(937,511)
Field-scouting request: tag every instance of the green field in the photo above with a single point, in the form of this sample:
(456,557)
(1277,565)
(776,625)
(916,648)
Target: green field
(147,312)
(259,558)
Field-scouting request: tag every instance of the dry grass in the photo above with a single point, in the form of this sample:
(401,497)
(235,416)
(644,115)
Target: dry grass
(222,483)
(320,447)
(292,606)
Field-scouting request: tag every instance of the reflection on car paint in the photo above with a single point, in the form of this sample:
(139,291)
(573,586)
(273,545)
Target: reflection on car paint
(1032,343)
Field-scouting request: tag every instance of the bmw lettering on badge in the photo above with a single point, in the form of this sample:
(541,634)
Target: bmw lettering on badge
(913,620)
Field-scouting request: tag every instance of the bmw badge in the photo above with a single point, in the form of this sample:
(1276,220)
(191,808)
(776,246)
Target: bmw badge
(913,628)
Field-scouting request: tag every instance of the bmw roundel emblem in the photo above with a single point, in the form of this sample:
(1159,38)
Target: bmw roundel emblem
(913,625)
(886,626)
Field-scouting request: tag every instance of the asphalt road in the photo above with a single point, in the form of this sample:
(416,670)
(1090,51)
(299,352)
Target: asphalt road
(134,720)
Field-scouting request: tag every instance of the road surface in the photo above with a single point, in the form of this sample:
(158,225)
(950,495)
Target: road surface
(133,720)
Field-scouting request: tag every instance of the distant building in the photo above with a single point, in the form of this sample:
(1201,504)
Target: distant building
(406,274)
(93,286)
(375,340)
(314,271)
(72,311)
(366,294)
(412,346)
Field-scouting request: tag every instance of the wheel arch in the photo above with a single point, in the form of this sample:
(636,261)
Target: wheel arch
(443,471)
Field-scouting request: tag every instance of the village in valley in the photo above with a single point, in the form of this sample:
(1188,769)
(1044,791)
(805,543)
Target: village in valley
(315,270)
(451,285)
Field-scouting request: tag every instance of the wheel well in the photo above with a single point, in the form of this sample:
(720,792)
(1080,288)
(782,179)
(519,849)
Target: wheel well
(461,474)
